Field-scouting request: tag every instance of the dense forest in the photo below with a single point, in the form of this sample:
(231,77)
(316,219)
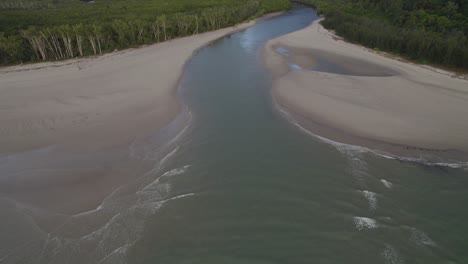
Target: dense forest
(426,31)
(42,30)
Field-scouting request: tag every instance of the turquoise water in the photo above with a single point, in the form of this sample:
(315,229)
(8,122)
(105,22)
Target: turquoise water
(253,188)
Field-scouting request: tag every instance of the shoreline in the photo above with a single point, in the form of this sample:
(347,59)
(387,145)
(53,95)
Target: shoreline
(69,127)
(346,143)
(348,94)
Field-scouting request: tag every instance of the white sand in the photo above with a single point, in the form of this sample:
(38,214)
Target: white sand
(398,103)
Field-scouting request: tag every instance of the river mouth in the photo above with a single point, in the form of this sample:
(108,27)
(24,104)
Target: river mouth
(241,185)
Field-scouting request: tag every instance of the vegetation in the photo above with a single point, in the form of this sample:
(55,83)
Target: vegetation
(427,31)
(40,30)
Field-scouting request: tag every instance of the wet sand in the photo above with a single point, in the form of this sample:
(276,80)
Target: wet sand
(68,129)
(353,95)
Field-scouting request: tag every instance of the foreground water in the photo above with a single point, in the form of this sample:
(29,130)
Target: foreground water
(258,190)
(241,184)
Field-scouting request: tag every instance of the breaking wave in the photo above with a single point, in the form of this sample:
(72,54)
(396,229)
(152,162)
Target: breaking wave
(362,223)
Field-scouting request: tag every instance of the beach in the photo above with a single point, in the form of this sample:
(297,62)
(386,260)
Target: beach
(353,95)
(67,127)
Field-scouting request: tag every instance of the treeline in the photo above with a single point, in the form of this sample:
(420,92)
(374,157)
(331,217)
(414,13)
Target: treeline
(25,4)
(426,31)
(31,4)
(68,41)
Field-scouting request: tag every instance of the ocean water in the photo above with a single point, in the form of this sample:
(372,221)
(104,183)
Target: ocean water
(235,180)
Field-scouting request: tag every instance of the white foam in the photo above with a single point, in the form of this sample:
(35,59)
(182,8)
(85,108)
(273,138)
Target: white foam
(362,223)
(421,238)
(168,156)
(391,255)
(171,173)
(182,132)
(177,171)
(358,167)
(386,183)
(180,196)
(151,148)
(453,165)
(126,213)
(101,206)
(118,256)
(88,212)
(344,148)
(102,229)
(371,198)
(155,190)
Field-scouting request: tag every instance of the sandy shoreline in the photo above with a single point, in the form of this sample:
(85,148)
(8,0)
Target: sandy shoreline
(352,95)
(68,129)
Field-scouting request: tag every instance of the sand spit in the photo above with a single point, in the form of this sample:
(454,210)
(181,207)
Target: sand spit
(353,95)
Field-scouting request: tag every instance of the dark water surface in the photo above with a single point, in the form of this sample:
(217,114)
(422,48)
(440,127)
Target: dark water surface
(252,188)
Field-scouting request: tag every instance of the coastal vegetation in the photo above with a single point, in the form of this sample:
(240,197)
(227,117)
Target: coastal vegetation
(43,30)
(426,31)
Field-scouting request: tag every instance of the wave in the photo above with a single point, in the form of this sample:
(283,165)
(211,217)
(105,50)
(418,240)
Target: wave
(363,223)
(371,198)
